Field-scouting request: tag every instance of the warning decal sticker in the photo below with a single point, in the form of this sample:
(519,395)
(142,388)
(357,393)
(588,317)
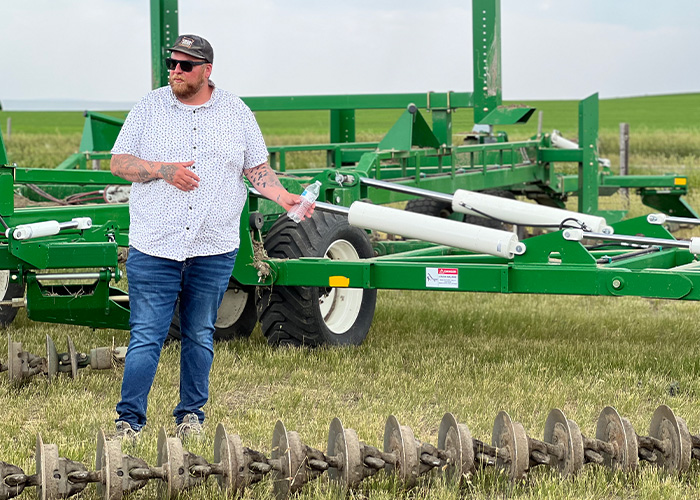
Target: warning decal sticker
(441,277)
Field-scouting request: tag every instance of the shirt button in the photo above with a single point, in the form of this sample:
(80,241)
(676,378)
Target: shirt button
(194,147)
(187,228)
(194,128)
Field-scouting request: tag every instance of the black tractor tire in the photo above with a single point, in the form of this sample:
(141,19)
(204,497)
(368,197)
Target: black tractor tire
(437,208)
(426,206)
(315,316)
(8,291)
(236,318)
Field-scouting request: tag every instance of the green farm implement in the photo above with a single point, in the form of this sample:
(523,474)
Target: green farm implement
(316,282)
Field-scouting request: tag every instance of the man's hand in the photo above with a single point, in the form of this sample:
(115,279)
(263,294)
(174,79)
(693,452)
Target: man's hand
(264,179)
(179,175)
(292,200)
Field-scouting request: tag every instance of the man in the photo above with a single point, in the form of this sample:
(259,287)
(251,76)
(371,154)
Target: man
(186,148)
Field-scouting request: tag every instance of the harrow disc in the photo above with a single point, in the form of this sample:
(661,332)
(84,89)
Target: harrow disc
(511,436)
(228,451)
(399,441)
(287,448)
(456,441)
(618,431)
(108,461)
(665,426)
(47,470)
(345,446)
(52,360)
(171,457)
(73,355)
(565,433)
(14,359)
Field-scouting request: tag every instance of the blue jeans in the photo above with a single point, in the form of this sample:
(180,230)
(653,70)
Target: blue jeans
(154,286)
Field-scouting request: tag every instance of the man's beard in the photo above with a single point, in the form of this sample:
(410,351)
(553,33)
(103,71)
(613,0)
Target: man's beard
(185,90)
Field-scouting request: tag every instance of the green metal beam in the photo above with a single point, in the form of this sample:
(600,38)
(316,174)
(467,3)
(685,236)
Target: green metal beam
(164,32)
(588,166)
(428,100)
(3,151)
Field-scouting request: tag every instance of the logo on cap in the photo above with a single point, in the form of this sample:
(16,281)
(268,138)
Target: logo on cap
(186,42)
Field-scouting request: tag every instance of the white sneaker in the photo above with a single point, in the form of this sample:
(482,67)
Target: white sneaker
(125,432)
(189,427)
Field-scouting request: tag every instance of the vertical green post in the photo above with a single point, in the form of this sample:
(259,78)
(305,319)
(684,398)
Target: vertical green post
(342,125)
(588,142)
(164,32)
(442,125)
(3,151)
(7,199)
(486,36)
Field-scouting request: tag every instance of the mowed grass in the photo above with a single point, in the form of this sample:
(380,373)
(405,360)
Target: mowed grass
(427,353)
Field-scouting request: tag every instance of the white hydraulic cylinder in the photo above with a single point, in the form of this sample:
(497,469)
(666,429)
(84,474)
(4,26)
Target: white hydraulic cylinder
(48,228)
(558,141)
(522,213)
(435,230)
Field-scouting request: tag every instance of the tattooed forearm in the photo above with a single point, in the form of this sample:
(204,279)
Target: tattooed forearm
(263,178)
(135,169)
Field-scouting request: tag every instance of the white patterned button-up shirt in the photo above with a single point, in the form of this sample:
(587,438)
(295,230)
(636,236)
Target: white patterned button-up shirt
(222,138)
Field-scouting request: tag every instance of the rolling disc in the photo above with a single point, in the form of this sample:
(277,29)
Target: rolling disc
(47,470)
(665,426)
(108,461)
(171,457)
(345,446)
(399,440)
(286,447)
(456,441)
(228,451)
(512,437)
(560,432)
(14,359)
(73,354)
(51,358)
(619,432)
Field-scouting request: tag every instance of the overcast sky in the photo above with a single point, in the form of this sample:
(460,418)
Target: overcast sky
(552,49)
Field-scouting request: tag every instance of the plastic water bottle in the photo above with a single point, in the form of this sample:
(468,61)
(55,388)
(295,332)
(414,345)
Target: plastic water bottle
(307,198)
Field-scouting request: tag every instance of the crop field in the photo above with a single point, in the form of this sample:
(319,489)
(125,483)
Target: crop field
(427,353)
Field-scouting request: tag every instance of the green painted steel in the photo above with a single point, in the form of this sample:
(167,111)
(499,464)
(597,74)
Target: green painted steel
(99,132)
(342,125)
(3,151)
(77,304)
(551,265)
(164,32)
(426,100)
(411,154)
(588,164)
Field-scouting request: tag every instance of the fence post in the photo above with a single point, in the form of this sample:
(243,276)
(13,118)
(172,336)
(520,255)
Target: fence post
(625,159)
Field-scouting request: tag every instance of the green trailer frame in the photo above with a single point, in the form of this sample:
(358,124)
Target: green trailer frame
(412,154)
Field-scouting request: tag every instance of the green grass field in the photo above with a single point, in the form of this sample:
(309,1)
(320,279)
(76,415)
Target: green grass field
(427,353)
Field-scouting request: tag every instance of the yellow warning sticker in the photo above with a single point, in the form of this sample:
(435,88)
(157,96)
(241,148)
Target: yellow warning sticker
(338,281)
(680,181)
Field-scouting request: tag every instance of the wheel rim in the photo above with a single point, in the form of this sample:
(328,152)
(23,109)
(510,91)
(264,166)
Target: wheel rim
(231,308)
(340,306)
(4,283)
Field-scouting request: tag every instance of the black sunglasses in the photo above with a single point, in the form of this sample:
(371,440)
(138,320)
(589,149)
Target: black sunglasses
(185,66)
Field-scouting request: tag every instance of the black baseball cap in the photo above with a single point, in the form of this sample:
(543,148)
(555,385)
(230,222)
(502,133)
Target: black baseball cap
(195,46)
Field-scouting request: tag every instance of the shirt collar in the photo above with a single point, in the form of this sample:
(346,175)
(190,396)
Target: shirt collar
(175,102)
